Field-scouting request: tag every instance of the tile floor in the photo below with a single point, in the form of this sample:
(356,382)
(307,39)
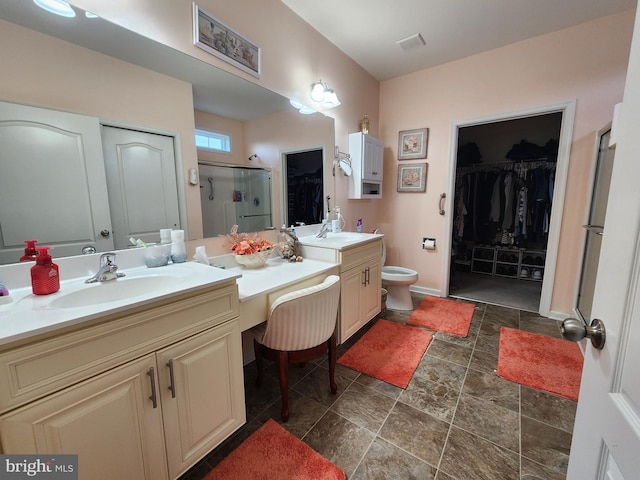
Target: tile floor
(456,420)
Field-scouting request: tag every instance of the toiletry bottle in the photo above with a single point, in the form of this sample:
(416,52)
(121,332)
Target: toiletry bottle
(178,250)
(165,235)
(44,274)
(30,252)
(359,226)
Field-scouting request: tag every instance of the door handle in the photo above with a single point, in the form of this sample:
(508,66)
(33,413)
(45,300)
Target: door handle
(440,207)
(575,330)
(153,397)
(172,384)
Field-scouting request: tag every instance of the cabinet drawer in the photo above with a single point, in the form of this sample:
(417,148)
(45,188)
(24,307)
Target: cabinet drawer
(360,254)
(37,369)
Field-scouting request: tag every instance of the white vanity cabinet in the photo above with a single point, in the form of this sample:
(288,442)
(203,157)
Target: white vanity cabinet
(359,260)
(360,279)
(367,166)
(144,394)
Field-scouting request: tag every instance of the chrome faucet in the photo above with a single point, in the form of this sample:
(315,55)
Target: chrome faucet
(108,269)
(324,230)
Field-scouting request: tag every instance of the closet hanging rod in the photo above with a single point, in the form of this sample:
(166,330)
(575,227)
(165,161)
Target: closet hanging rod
(516,166)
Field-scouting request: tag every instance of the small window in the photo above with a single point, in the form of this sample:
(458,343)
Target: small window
(220,142)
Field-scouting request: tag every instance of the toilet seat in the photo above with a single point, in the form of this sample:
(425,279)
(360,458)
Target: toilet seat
(399,274)
(396,280)
(392,273)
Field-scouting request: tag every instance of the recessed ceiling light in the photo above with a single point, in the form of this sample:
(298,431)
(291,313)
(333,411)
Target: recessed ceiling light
(414,41)
(59,7)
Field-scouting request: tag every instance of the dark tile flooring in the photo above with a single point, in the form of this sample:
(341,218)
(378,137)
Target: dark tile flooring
(456,420)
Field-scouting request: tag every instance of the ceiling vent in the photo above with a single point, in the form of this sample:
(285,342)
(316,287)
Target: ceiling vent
(411,42)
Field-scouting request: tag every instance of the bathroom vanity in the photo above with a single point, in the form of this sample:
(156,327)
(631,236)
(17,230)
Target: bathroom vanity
(140,388)
(359,256)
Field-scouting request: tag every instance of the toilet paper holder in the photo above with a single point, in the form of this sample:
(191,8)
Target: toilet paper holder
(428,243)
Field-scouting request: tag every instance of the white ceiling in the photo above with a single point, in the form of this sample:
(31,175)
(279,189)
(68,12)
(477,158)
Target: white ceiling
(367,30)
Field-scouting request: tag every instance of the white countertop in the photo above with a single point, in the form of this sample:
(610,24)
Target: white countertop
(23,314)
(277,273)
(339,241)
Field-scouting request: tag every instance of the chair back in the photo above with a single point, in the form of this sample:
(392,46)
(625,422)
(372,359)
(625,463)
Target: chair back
(304,318)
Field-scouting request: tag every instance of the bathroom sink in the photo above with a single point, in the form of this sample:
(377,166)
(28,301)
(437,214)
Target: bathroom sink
(334,238)
(113,291)
(344,237)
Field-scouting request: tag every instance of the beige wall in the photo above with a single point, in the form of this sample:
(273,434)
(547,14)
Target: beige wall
(586,63)
(43,71)
(293,56)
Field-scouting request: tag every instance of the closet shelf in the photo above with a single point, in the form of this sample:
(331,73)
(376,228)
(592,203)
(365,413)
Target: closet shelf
(519,263)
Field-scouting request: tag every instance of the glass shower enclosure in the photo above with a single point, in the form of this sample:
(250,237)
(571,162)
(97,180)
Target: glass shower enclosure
(234,195)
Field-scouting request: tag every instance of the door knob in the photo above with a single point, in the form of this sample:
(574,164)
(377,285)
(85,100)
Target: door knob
(105,233)
(575,330)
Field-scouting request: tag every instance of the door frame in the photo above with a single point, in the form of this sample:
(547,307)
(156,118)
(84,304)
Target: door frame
(587,213)
(283,177)
(567,109)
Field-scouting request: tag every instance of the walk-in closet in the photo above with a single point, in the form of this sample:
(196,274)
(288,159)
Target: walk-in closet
(505,175)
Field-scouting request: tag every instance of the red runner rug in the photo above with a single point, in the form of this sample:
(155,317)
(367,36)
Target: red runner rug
(272,452)
(443,315)
(541,362)
(389,352)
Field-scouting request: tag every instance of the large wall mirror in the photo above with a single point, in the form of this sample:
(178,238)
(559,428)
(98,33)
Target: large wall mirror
(165,94)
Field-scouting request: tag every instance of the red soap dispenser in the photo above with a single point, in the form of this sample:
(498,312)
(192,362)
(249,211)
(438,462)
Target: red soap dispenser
(44,274)
(30,252)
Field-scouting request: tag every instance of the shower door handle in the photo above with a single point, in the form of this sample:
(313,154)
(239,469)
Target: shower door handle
(440,207)
(597,229)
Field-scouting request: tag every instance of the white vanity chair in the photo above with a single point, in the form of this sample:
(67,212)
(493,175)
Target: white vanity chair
(301,326)
(397,280)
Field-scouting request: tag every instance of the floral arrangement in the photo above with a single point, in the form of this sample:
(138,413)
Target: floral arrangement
(246,243)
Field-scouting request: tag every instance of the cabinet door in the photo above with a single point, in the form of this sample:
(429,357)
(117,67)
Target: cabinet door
(202,392)
(370,294)
(108,421)
(350,312)
(372,158)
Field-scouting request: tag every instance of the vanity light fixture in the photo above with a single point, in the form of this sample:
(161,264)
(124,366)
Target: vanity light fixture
(324,95)
(58,7)
(303,109)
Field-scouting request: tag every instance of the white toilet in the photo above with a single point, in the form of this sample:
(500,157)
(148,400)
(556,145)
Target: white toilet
(397,281)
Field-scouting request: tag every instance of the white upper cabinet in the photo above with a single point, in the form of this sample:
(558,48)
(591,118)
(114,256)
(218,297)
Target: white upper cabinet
(367,164)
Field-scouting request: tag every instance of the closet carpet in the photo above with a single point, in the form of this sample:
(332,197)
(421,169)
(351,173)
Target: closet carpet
(506,292)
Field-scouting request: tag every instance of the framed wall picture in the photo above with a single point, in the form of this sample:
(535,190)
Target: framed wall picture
(214,37)
(412,177)
(413,144)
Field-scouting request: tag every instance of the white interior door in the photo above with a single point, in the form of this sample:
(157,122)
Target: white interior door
(606,437)
(141,179)
(52,182)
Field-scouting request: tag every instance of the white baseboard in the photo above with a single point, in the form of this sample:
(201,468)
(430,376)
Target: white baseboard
(425,291)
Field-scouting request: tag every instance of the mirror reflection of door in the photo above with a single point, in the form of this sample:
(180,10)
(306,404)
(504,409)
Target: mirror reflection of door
(594,228)
(141,180)
(304,194)
(52,182)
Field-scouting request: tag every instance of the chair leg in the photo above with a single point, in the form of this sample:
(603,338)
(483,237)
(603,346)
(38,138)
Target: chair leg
(259,363)
(283,377)
(332,363)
